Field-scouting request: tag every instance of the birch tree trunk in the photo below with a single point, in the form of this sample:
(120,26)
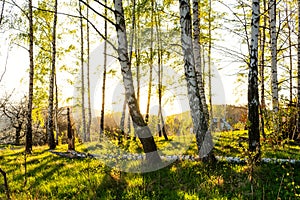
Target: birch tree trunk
(28,142)
(209,62)
(298,73)
(150,64)
(82,76)
(197,55)
(274,83)
(50,124)
(88,128)
(203,136)
(253,99)
(262,106)
(104,75)
(142,130)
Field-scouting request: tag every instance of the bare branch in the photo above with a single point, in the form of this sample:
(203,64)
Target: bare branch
(102,4)
(103,37)
(5,66)
(95,11)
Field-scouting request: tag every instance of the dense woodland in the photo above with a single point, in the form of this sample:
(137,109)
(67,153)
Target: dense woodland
(122,99)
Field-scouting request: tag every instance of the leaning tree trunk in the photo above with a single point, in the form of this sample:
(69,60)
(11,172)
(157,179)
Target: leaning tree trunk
(50,124)
(28,143)
(273,35)
(203,136)
(253,99)
(142,130)
(197,54)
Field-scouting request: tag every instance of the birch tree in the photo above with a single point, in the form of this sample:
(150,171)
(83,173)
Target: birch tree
(197,54)
(274,82)
(82,76)
(203,136)
(253,99)
(298,72)
(28,142)
(50,125)
(104,75)
(142,130)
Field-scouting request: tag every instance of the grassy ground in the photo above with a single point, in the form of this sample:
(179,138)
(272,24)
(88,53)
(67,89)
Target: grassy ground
(49,176)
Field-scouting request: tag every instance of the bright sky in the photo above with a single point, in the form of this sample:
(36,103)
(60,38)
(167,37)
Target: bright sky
(223,82)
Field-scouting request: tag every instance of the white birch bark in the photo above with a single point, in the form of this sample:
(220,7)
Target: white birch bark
(253,99)
(142,130)
(273,35)
(197,55)
(50,124)
(203,136)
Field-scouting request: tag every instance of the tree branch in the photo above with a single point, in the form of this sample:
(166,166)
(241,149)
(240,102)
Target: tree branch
(103,37)
(97,12)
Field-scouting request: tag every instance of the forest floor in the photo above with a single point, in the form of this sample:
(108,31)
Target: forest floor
(50,176)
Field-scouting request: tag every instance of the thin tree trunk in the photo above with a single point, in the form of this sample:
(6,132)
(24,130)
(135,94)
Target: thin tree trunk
(82,76)
(290,55)
(298,74)
(262,71)
(5,183)
(71,139)
(128,126)
(209,62)
(50,125)
(197,54)
(28,144)
(102,115)
(88,128)
(141,128)
(203,136)
(56,110)
(253,99)
(161,123)
(273,35)
(150,64)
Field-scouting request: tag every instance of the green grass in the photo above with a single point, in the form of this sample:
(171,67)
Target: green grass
(53,177)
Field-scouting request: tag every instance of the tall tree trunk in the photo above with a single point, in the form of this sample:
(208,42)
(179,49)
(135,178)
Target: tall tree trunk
(137,56)
(273,35)
(50,124)
(209,61)
(88,128)
(161,122)
(56,110)
(82,76)
(102,115)
(197,54)
(298,74)
(150,64)
(203,136)
(28,143)
(253,99)
(290,55)
(262,71)
(141,128)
